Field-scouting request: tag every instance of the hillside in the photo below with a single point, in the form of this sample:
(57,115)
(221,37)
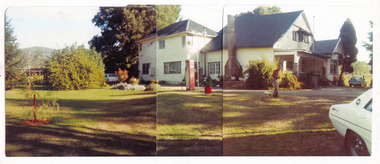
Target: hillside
(36,56)
(45,51)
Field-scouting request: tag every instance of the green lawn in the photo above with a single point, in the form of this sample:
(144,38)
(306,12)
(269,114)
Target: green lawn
(89,123)
(189,123)
(260,125)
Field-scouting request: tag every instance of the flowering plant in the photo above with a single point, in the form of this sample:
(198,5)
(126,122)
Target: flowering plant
(122,75)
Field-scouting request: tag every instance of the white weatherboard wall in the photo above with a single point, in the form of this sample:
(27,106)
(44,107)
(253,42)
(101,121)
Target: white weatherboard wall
(244,55)
(148,55)
(175,51)
(216,56)
(287,42)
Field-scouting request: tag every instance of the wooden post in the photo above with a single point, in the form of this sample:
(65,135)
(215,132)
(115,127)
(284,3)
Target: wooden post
(35,109)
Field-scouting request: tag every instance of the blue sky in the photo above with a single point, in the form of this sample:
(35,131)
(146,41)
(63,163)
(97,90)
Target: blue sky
(57,27)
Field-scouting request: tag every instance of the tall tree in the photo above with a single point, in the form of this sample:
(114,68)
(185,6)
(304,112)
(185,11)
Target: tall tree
(167,14)
(369,46)
(13,58)
(348,38)
(263,10)
(120,28)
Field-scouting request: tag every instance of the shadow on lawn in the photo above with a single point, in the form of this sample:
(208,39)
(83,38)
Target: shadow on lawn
(321,143)
(192,147)
(25,140)
(189,115)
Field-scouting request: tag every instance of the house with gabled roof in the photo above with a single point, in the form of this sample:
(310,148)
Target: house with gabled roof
(284,37)
(162,55)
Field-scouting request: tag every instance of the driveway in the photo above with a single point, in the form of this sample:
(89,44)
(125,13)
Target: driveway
(331,91)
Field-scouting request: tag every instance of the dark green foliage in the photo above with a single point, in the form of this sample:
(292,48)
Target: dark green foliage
(369,46)
(13,58)
(348,38)
(120,28)
(260,74)
(307,80)
(288,80)
(75,68)
(263,10)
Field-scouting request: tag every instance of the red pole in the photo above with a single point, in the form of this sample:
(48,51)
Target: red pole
(35,116)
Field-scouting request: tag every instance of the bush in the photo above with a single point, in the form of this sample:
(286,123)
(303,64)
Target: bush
(260,74)
(288,80)
(128,87)
(134,81)
(122,75)
(75,68)
(307,80)
(153,86)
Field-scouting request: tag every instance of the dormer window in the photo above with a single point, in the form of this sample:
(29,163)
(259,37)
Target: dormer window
(301,36)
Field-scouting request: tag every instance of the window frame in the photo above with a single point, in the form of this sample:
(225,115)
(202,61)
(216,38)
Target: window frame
(145,71)
(161,44)
(167,67)
(213,65)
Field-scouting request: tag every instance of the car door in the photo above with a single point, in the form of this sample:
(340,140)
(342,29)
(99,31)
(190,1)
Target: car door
(364,122)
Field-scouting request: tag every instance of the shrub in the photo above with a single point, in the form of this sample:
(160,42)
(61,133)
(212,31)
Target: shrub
(122,75)
(134,81)
(75,68)
(307,80)
(288,80)
(260,74)
(153,86)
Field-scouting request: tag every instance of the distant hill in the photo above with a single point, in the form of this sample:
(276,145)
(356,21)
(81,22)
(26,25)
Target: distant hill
(36,56)
(45,51)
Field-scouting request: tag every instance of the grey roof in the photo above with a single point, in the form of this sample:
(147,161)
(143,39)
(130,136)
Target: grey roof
(325,46)
(253,31)
(182,26)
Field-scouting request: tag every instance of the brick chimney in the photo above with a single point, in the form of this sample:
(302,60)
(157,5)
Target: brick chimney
(233,67)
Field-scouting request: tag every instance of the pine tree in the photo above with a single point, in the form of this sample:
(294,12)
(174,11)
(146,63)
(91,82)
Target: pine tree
(348,38)
(12,56)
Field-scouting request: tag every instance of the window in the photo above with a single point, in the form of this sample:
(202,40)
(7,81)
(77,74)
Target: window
(214,68)
(183,40)
(334,67)
(145,69)
(300,37)
(295,35)
(161,44)
(172,67)
(369,106)
(289,65)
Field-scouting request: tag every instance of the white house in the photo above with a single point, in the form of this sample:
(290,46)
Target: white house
(285,37)
(162,55)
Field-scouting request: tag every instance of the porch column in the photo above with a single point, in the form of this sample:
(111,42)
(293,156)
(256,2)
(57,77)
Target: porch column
(296,64)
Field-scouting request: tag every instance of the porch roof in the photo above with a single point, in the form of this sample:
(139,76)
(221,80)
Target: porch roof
(325,46)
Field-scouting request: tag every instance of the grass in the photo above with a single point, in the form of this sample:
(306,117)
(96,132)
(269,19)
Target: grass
(189,123)
(258,125)
(90,122)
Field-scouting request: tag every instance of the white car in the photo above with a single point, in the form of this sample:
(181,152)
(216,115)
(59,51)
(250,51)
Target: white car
(110,78)
(354,122)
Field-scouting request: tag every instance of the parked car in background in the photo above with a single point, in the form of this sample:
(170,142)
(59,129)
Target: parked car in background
(354,122)
(111,78)
(357,81)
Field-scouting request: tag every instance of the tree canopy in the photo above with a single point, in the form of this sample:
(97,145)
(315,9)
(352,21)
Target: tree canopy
(167,14)
(121,27)
(75,67)
(13,58)
(360,68)
(369,46)
(348,38)
(263,10)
